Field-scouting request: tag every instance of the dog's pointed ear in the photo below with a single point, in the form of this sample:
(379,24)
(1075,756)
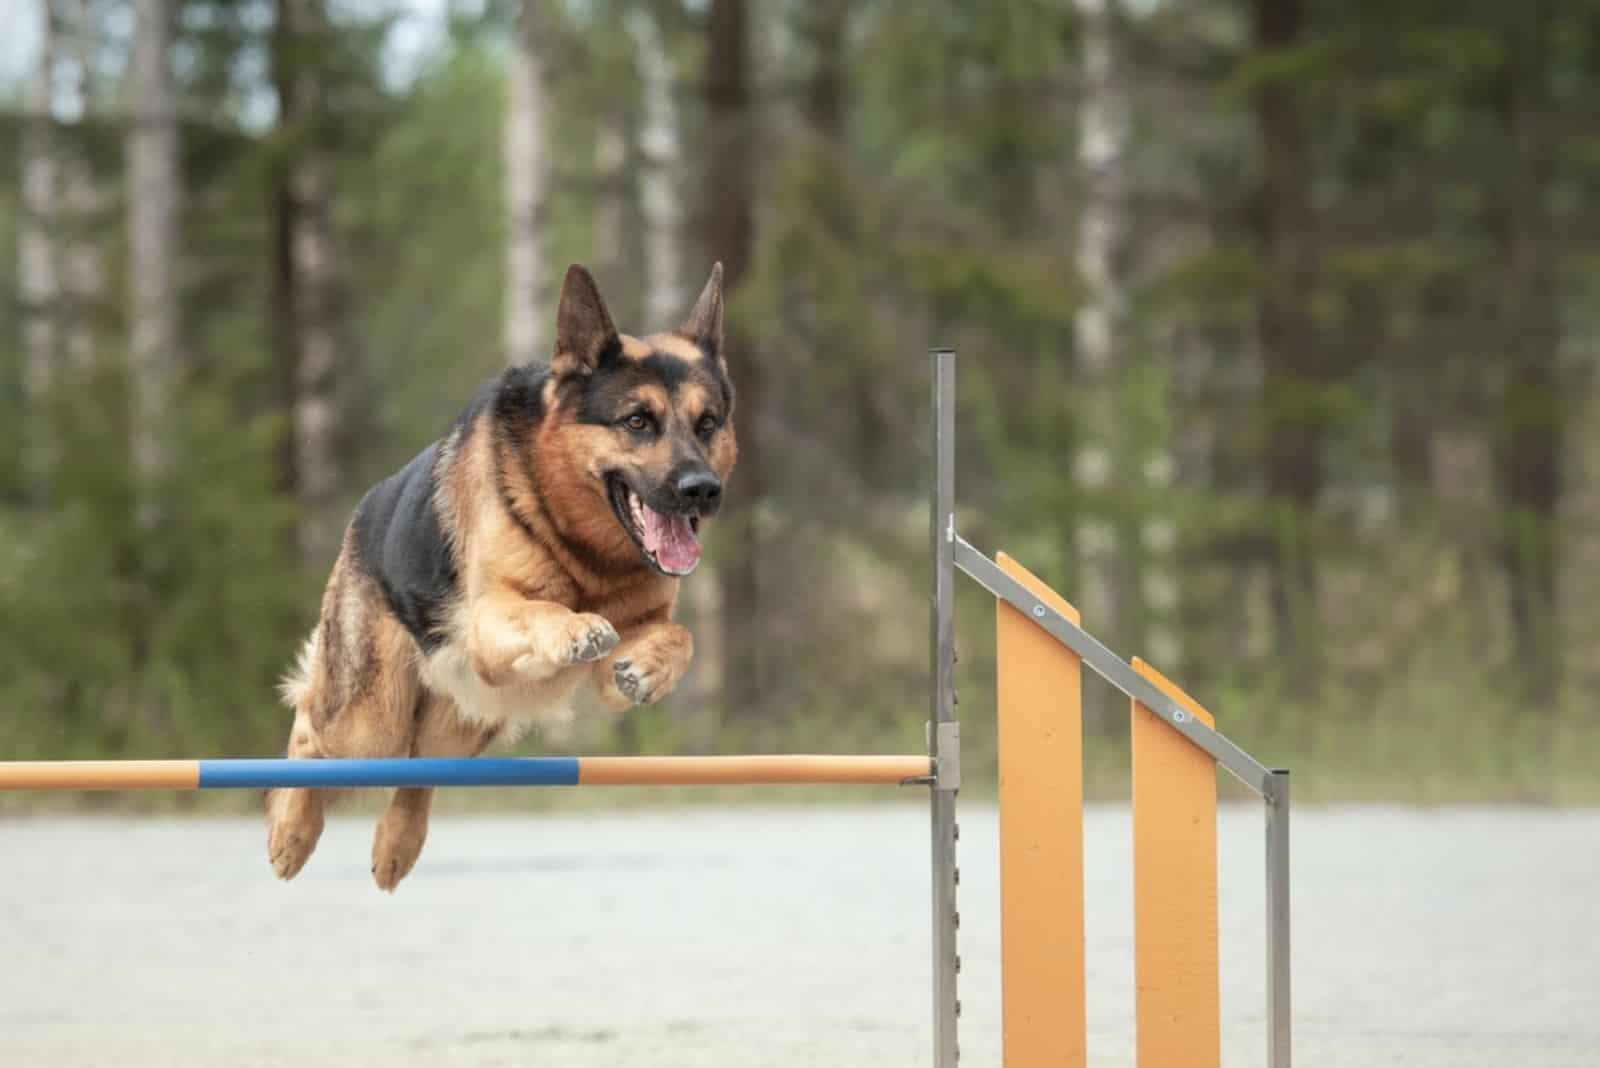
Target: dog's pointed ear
(585,335)
(704,324)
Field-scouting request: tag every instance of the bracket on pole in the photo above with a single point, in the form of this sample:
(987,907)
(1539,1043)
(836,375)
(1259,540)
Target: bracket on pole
(947,766)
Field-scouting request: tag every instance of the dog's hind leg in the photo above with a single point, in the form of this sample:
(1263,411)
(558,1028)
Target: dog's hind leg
(404,827)
(374,726)
(354,693)
(294,816)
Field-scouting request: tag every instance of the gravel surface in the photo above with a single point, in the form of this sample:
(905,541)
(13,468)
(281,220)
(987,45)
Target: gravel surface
(759,936)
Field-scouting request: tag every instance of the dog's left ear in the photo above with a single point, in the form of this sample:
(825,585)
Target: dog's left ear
(585,334)
(704,324)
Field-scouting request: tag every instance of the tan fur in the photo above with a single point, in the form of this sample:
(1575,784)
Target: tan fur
(673,345)
(556,608)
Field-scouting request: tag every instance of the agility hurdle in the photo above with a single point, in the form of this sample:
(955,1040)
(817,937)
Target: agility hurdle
(1040,653)
(1041,650)
(463,771)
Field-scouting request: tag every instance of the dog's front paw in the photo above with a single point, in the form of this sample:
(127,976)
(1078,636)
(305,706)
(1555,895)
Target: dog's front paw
(648,669)
(588,638)
(573,638)
(636,682)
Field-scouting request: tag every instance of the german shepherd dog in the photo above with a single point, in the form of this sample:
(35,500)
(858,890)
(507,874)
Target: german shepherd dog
(522,567)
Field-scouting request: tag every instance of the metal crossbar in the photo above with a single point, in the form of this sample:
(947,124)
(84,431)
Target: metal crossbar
(1111,667)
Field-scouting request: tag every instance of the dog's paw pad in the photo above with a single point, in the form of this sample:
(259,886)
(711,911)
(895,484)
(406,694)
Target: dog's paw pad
(592,638)
(637,684)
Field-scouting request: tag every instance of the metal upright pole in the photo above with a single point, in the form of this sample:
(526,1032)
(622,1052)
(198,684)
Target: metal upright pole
(944,737)
(1279,1046)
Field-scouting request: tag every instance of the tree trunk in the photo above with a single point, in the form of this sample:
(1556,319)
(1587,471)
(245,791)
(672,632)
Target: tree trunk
(84,204)
(528,320)
(1100,323)
(37,258)
(152,149)
(611,201)
(1531,416)
(825,25)
(1295,383)
(666,296)
(306,274)
(728,226)
(1412,437)
(666,299)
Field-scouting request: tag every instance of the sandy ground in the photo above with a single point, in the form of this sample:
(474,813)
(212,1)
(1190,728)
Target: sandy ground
(781,937)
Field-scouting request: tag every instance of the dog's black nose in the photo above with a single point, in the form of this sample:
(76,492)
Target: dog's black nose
(700,488)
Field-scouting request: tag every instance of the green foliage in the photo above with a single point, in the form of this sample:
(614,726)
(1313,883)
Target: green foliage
(1451,267)
(162,638)
(431,265)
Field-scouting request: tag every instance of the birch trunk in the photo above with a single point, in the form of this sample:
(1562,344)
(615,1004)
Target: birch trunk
(152,150)
(84,202)
(527,315)
(611,206)
(1100,322)
(666,297)
(37,266)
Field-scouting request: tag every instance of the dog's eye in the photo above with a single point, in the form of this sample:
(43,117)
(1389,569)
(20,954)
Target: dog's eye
(637,421)
(707,425)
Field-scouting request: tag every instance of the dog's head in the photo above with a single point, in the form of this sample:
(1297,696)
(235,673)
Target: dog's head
(647,422)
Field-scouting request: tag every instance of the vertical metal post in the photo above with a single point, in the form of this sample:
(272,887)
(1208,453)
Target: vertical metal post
(944,740)
(1279,1046)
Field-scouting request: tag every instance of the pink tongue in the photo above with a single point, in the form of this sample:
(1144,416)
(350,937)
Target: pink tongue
(671,540)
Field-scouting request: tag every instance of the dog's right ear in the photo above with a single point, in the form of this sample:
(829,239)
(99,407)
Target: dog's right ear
(585,335)
(704,324)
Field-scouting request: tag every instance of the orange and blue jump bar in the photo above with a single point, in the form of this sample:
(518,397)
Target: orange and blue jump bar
(464,771)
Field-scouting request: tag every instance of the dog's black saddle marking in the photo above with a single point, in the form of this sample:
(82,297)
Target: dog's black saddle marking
(397,537)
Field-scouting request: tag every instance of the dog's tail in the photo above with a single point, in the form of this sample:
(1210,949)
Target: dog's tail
(296,685)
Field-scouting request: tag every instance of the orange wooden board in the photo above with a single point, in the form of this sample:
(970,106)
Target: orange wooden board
(1174,890)
(1040,707)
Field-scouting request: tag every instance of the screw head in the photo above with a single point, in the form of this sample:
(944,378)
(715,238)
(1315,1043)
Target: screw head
(1180,716)
(1038,611)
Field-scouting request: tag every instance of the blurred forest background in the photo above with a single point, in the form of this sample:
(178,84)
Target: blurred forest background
(1277,324)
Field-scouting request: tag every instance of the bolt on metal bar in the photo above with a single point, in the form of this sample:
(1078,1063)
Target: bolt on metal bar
(1279,1052)
(943,738)
(1111,667)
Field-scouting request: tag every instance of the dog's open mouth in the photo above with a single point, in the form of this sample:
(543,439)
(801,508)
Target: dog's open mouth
(669,542)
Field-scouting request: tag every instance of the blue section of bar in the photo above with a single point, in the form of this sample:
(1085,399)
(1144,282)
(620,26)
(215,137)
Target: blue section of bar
(413,771)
